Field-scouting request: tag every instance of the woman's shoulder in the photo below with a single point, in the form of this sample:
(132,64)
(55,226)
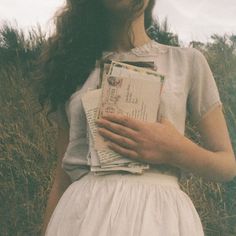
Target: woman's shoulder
(178,52)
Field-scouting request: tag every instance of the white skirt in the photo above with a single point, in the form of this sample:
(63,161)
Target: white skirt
(125,205)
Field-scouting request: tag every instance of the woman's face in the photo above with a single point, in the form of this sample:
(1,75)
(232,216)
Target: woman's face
(123,7)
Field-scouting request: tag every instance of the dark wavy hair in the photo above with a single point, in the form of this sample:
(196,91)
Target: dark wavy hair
(70,54)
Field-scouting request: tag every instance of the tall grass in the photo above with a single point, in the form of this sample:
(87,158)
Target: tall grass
(27,144)
(27,141)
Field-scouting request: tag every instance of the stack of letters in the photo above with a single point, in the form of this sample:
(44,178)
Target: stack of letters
(127,88)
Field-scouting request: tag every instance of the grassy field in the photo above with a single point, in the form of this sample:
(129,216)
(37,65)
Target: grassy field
(28,143)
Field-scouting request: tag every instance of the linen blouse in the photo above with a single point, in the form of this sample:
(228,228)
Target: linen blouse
(189,86)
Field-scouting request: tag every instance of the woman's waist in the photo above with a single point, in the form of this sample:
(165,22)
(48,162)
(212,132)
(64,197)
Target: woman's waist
(153,175)
(165,169)
(80,166)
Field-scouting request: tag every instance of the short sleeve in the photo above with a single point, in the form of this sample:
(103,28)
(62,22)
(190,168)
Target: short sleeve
(60,116)
(203,94)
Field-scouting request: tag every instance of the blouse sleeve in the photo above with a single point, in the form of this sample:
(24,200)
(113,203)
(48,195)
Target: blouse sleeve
(203,94)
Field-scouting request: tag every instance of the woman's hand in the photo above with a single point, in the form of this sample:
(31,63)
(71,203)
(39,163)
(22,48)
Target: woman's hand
(149,142)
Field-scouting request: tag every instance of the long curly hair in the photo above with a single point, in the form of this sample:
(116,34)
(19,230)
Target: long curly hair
(70,54)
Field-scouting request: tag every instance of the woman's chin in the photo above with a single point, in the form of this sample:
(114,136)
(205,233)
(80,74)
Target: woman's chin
(117,5)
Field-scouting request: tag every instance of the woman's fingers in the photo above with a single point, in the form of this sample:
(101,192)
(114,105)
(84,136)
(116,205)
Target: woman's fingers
(121,140)
(124,151)
(124,121)
(118,129)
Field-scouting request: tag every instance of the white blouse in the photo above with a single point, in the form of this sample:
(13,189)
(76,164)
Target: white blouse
(189,86)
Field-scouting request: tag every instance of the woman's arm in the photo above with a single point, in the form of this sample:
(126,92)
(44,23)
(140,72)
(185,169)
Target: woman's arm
(61,181)
(216,161)
(161,143)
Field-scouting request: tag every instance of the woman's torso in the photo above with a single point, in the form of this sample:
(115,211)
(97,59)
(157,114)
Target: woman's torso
(173,62)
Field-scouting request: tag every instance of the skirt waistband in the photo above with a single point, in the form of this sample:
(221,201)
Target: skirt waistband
(151,176)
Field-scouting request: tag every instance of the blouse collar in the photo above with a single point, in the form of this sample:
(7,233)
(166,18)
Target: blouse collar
(147,49)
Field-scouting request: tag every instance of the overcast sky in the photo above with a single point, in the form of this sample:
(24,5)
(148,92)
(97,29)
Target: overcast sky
(190,19)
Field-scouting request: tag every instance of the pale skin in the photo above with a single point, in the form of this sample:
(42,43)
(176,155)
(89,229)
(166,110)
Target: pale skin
(162,143)
(155,143)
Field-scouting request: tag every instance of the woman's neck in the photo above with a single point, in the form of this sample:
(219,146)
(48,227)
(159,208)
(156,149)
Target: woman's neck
(120,37)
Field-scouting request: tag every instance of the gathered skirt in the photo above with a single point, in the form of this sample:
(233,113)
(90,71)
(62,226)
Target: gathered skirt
(151,204)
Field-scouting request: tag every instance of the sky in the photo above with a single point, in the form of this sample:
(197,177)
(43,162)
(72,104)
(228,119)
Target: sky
(198,19)
(190,19)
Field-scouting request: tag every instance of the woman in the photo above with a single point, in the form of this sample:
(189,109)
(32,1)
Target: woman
(127,204)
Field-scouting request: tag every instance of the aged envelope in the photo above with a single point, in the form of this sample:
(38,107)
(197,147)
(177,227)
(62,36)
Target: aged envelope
(90,101)
(130,91)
